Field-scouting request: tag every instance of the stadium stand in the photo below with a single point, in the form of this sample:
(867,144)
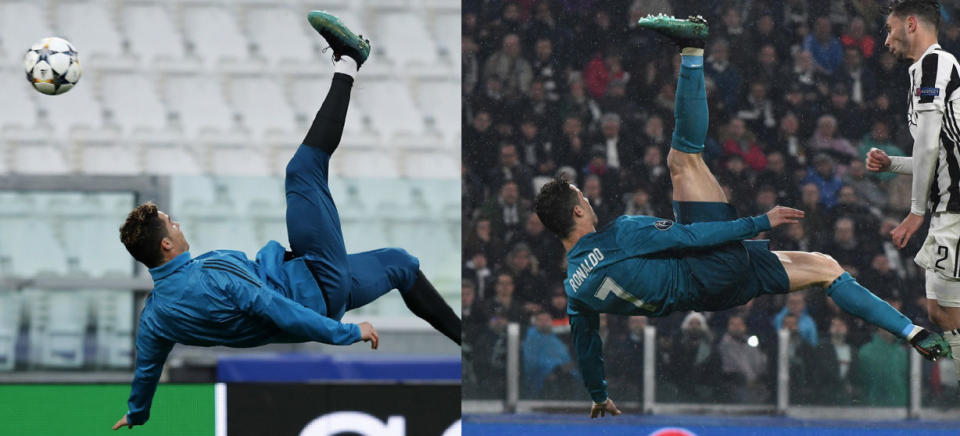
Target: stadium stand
(577,87)
(216,95)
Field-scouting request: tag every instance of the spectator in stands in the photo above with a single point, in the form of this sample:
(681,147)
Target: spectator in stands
(605,210)
(879,137)
(475,325)
(823,174)
(543,246)
(845,248)
(511,169)
(858,78)
(832,367)
(789,140)
(795,103)
(737,36)
(534,147)
(654,133)
(578,103)
(865,188)
(849,120)
(764,34)
(507,64)
(572,147)
(546,360)
(558,305)
(797,306)
(856,38)
(882,371)
(522,266)
(547,69)
(693,359)
(757,111)
(884,281)
(742,366)
(849,205)
(609,177)
(507,212)
(618,150)
(653,173)
(477,270)
(537,107)
(743,143)
(806,75)
(626,355)
(723,73)
(601,70)
(639,203)
(799,361)
(825,139)
(816,217)
(480,141)
(470,68)
(503,307)
(793,238)
(826,49)
(779,178)
(616,101)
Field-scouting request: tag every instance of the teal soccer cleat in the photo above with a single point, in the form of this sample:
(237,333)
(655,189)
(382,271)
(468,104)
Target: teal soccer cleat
(690,32)
(931,345)
(341,39)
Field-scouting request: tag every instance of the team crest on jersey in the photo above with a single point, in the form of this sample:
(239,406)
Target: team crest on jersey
(927,92)
(663,224)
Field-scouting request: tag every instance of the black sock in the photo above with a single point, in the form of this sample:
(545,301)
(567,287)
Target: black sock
(327,127)
(424,301)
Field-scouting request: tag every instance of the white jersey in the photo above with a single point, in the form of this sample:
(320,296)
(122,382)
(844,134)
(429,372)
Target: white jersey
(934,83)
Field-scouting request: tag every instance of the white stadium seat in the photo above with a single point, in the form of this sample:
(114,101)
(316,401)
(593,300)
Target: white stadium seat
(133,102)
(260,101)
(22,23)
(76,108)
(280,37)
(440,100)
(10,317)
(404,38)
(151,32)
(87,24)
(38,158)
(390,106)
(199,103)
(214,34)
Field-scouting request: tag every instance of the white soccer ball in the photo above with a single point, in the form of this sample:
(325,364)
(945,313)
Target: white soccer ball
(52,66)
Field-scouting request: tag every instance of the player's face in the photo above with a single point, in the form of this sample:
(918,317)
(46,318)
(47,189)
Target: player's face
(896,40)
(585,203)
(175,234)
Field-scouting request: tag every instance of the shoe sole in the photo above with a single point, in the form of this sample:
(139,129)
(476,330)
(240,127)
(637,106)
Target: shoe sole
(321,23)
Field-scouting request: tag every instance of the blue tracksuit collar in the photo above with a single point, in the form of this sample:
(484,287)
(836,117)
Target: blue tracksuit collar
(170,267)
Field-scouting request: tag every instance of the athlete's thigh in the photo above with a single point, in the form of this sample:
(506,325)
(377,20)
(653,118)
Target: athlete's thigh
(943,301)
(805,269)
(313,223)
(368,278)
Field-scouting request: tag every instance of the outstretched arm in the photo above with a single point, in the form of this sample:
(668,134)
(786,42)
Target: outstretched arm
(585,329)
(152,352)
(647,236)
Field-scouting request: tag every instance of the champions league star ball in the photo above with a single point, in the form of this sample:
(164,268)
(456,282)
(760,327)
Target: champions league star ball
(52,66)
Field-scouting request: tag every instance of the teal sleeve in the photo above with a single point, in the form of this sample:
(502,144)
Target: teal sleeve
(289,315)
(151,354)
(585,329)
(663,235)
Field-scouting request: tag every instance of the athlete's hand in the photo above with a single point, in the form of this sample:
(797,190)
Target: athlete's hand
(877,160)
(901,235)
(604,409)
(784,215)
(368,334)
(122,422)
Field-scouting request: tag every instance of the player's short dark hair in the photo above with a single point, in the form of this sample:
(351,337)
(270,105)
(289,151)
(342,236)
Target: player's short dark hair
(927,10)
(554,206)
(142,233)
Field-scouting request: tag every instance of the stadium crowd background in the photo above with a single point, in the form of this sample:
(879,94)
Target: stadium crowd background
(798,92)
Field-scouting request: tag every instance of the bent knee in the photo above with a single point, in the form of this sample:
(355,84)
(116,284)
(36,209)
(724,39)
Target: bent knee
(828,265)
(401,266)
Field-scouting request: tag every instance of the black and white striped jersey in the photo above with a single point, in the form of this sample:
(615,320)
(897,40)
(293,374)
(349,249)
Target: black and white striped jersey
(934,83)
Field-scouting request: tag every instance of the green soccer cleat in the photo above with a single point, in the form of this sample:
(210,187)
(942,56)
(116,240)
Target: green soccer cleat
(690,32)
(931,345)
(343,41)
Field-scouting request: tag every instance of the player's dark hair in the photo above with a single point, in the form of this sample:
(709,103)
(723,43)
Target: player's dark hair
(927,10)
(554,206)
(142,233)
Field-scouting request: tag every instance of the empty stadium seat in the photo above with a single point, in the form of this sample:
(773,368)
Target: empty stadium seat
(92,244)
(38,158)
(89,27)
(74,109)
(57,324)
(279,35)
(390,106)
(151,33)
(430,165)
(132,101)
(199,103)
(364,163)
(29,247)
(22,23)
(109,159)
(114,313)
(18,108)
(238,160)
(404,38)
(447,34)
(440,101)
(214,34)
(260,101)
(169,158)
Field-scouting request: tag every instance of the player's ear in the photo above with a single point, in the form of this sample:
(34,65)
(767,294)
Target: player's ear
(166,243)
(578,211)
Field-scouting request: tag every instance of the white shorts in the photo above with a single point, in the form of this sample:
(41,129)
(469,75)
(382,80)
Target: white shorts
(939,257)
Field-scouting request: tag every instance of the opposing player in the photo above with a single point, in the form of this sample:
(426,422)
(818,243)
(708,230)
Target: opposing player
(934,78)
(640,265)
(222,298)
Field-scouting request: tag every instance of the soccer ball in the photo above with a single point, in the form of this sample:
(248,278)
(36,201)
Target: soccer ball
(52,66)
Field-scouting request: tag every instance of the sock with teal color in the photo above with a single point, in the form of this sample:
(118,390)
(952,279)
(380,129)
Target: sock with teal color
(691,111)
(858,301)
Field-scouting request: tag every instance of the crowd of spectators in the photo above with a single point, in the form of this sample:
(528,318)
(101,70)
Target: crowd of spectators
(798,90)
